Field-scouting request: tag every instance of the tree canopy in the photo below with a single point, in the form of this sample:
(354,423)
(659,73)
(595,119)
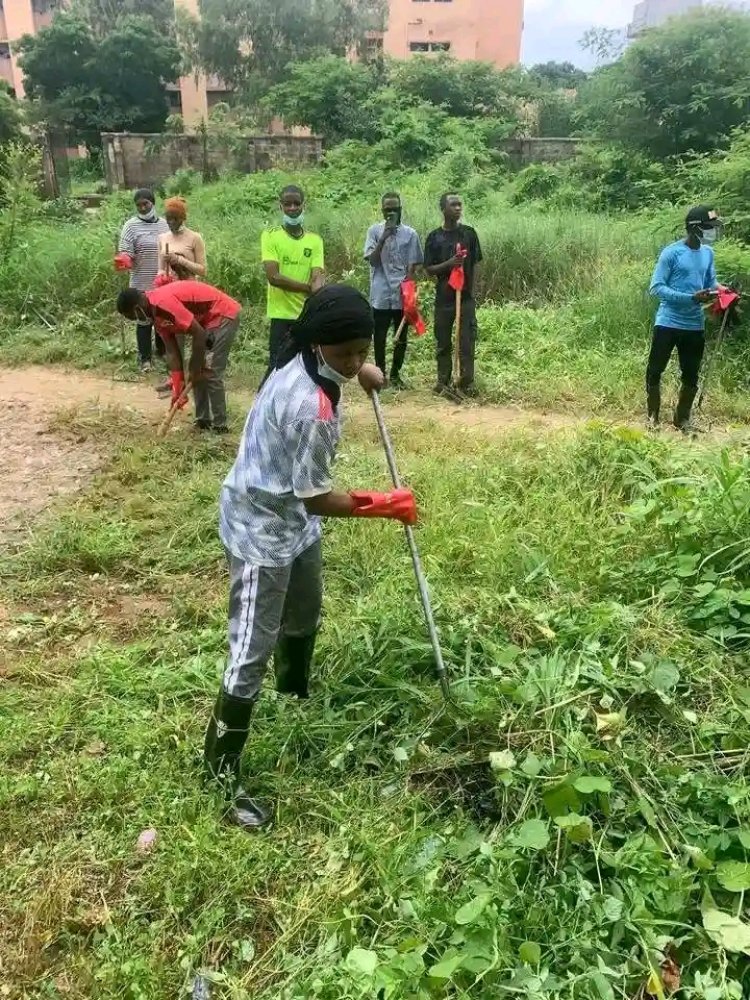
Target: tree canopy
(249,43)
(559,75)
(91,85)
(102,15)
(680,87)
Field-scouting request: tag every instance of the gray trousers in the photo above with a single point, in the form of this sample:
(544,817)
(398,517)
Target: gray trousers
(266,602)
(209,394)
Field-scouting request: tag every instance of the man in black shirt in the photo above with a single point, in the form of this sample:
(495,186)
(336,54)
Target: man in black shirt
(453,245)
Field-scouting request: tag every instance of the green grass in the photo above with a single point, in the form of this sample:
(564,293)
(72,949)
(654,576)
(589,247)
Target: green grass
(599,575)
(592,592)
(565,321)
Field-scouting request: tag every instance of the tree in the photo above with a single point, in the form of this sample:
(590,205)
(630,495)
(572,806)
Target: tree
(605,44)
(558,75)
(93,85)
(249,43)
(342,100)
(102,15)
(683,86)
(331,96)
(462,89)
(10,116)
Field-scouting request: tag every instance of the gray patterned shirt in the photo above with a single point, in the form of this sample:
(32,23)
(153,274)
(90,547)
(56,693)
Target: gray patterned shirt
(285,457)
(399,252)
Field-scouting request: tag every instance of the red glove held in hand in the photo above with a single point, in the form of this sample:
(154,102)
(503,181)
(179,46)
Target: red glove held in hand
(178,389)
(123,262)
(399,505)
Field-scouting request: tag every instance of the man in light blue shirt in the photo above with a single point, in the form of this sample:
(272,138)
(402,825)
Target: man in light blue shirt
(683,280)
(393,252)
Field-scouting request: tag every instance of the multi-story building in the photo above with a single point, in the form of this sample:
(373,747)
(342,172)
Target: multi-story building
(489,30)
(651,13)
(18,18)
(193,96)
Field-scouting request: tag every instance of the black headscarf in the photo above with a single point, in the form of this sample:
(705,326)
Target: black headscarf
(333,315)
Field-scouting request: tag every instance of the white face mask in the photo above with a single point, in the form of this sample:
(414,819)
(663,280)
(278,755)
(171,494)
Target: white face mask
(709,236)
(326,371)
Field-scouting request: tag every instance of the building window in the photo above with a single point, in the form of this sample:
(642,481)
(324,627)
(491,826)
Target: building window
(429,46)
(374,46)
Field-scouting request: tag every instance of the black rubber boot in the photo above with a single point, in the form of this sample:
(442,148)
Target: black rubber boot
(225,738)
(684,406)
(292,661)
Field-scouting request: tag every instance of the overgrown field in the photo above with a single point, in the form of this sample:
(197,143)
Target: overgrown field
(575,827)
(565,321)
(579,814)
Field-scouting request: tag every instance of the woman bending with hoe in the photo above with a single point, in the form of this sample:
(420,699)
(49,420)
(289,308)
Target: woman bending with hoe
(271,506)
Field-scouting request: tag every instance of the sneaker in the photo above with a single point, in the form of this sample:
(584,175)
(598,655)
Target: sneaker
(220,429)
(201,425)
(441,389)
(146,367)
(165,389)
(397,383)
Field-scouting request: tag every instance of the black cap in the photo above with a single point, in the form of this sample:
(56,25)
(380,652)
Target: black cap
(703,216)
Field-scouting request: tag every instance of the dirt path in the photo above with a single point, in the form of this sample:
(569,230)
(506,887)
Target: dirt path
(40,464)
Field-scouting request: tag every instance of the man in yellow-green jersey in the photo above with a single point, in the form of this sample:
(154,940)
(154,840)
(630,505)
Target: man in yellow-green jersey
(293,262)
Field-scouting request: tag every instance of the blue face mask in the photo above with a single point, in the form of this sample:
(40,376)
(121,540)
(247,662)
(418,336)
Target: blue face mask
(291,221)
(709,236)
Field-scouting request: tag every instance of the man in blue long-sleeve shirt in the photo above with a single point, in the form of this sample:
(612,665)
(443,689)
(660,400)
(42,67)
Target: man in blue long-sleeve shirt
(684,279)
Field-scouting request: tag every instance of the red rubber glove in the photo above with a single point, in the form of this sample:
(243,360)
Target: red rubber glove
(163,279)
(178,389)
(123,261)
(399,505)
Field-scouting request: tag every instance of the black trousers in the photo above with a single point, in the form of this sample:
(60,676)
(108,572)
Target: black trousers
(384,319)
(690,345)
(445,317)
(276,337)
(143,340)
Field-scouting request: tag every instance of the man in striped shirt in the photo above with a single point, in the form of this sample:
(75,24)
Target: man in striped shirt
(138,252)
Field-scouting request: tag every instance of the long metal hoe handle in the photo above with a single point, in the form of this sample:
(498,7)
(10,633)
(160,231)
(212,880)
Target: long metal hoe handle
(713,358)
(417,562)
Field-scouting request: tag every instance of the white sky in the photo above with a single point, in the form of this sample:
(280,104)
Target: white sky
(553,27)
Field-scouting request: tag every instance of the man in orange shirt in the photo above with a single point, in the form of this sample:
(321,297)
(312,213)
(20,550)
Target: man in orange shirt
(207,315)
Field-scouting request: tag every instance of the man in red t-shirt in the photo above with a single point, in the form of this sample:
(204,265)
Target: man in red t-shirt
(207,315)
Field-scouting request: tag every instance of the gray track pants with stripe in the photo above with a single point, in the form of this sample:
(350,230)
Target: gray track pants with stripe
(265,603)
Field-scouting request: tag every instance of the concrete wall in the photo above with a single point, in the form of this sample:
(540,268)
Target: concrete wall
(522,152)
(489,30)
(137,160)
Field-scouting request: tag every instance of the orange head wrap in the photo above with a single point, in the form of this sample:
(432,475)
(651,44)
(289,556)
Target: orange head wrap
(176,207)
